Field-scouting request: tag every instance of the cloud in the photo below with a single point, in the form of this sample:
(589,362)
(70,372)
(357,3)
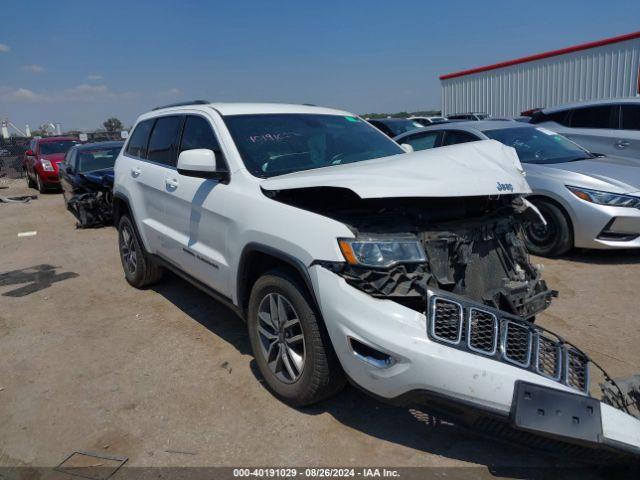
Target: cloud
(80,93)
(93,77)
(9,94)
(34,68)
(172,92)
(4,48)
(85,88)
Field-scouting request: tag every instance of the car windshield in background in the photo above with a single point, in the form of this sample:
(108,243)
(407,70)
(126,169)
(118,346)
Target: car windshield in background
(399,127)
(89,160)
(275,144)
(539,145)
(49,148)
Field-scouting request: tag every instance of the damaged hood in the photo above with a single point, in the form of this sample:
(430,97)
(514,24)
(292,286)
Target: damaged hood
(473,169)
(103,177)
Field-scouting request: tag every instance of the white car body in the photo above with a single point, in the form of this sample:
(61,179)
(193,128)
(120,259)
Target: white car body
(615,130)
(203,227)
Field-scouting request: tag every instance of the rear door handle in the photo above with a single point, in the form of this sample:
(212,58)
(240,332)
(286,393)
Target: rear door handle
(171,183)
(622,144)
(135,172)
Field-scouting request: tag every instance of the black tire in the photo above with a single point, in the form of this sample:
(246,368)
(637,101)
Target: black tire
(139,270)
(553,240)
(321,375)
(30,182)
(40,184)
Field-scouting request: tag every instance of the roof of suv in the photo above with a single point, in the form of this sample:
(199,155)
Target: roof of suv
(253,108)
(588,103)
(470,126)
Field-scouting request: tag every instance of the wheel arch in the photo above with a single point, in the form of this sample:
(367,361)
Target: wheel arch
(537,197)
(256,259)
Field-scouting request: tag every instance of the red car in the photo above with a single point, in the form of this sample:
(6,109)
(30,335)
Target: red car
(42,159)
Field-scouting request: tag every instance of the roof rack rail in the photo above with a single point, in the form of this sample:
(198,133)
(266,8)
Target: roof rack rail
(182,104)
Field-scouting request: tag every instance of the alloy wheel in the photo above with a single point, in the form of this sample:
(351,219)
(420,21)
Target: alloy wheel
(128,249)
(281,337)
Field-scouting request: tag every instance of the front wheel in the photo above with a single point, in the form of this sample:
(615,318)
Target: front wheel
(291,348)
(553,239)
(139,269)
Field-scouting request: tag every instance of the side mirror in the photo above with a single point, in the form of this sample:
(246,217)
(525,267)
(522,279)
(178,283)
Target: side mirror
(407,148)
(29,153)
(68,169)
(201,163)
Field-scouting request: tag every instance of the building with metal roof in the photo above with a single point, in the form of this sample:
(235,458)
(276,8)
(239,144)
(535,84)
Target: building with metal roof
(603,69)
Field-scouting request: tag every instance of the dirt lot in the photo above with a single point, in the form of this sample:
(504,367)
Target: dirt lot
(165,376)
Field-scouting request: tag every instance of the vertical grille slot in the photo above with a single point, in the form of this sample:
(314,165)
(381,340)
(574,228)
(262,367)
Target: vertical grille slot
(516,344)
(548,357)
(446,320)
(577,370)
(482,332)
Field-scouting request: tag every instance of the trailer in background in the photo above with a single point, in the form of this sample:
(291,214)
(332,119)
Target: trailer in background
(608,68)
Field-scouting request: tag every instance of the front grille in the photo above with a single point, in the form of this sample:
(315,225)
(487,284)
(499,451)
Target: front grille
(516,344)
(482,330)
(447,320)
(577,370)
(482,335)
(549,357)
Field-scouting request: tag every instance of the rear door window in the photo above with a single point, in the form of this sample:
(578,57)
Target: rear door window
(454,137)
(603,116)
(137,146)
(422,141)
(164,140)
(631,117)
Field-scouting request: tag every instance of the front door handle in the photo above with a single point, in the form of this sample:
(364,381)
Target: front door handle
(135,172)
(622,144)
(171,183)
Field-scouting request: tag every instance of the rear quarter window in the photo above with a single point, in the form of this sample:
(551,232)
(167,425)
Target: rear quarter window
(137,146)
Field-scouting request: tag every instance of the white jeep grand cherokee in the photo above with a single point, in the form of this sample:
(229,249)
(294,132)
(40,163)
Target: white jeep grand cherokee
(349,258)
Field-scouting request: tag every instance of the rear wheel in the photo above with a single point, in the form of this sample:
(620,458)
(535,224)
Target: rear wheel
(39,184)
(553,239)
(291,348)
(139,269)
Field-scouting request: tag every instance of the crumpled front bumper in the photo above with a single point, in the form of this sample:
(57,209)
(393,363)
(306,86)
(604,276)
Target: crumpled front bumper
(418,364)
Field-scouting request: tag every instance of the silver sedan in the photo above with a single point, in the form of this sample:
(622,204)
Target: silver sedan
(587,200)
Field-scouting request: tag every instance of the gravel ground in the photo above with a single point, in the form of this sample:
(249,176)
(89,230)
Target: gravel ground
(165,376)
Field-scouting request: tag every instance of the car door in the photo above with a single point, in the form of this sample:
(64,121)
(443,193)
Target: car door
(145,185)
(594,128)
(628,143)
(423,140)
(195,213)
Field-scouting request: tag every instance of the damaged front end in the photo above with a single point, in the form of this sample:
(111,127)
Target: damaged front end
(92,202)
(473,247)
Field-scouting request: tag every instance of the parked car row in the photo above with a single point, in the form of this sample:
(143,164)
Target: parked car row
(83,172)
(399,265)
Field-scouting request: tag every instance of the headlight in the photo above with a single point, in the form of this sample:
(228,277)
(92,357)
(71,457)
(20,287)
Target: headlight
(46,165)
(379,252)
(605,198)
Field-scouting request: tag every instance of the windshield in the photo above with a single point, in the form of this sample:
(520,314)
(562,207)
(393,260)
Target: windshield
(401,126)
(98,159)
(49,148)
(275,144)
(539,145)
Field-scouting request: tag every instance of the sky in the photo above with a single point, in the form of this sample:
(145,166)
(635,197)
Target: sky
(79,62)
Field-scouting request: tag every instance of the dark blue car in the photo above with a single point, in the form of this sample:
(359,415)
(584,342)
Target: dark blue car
(87,181)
